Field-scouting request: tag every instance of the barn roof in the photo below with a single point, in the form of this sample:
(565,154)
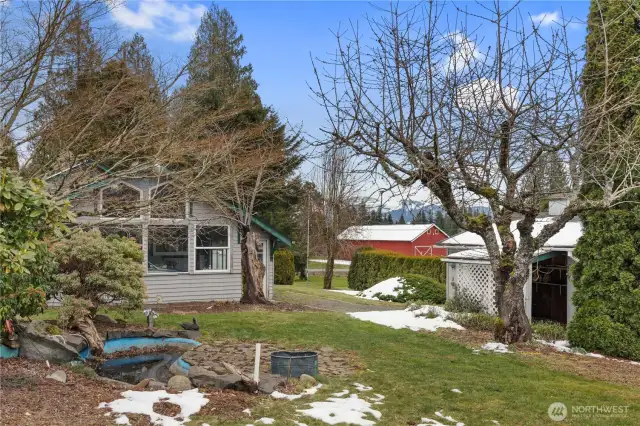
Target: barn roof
(567,238)
(386,232)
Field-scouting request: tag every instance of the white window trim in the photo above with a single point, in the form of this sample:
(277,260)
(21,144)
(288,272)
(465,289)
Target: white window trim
(119,181)
(146,266)
(196,248)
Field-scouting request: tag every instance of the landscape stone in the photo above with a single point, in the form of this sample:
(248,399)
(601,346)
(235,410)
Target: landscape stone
(36,343)
(75,340)
(156,385)
(189,334)
(270,382)
(104,319)
(308,380)
(179,383)
(224,381)
(59,376)
(142,384)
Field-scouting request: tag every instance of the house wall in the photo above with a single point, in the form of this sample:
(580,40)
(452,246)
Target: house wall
(171,287)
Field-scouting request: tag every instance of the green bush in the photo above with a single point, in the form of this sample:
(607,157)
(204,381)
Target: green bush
(607,283)
(462,302)
(100,271)
(549,330)
(284,267)
(369,267)
(594,330)
(474,321)
(417,288)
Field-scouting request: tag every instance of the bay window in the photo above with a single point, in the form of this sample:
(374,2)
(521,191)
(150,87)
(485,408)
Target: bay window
(212,248)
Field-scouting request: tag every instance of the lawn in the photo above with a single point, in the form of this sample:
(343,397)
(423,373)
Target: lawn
(320,265)
(416,372)
(302,291)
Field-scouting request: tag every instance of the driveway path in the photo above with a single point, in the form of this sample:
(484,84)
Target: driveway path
(332,305)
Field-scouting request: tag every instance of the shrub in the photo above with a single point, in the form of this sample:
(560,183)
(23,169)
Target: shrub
(549,330)
(284,267)
(28,218)
(594,330)
(369,267)
(417,288)
(475,321)
(100,270)
(463,302)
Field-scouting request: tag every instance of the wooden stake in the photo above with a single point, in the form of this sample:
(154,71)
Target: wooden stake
(256,366)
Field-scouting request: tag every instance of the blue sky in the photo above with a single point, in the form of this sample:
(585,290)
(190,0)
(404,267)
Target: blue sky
(281,36)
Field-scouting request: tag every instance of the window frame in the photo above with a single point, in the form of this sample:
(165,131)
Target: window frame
(153,248)
(196,248)
(118,182)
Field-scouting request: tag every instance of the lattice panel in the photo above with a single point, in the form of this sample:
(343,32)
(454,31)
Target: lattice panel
(475,282)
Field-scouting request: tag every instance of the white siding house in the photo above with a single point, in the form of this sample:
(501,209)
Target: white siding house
(548,292)
(191,253)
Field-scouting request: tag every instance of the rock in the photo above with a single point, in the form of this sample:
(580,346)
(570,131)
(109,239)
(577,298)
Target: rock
(36,343)
(59,376)
(156,385)
(218,368)
(116,334)
(308,380)
(75,340)
(104,319)
(142,385)
(163,333)
(270,382)
(189,334)
(220,381)
(196,372)
(179,383)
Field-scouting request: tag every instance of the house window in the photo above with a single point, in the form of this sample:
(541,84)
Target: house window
(212,248)
(168,249)
(120,200)
(167,202)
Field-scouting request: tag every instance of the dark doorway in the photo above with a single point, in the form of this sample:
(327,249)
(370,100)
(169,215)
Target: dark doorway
(549,288)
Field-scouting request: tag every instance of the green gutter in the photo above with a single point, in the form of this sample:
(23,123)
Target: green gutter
(279,236)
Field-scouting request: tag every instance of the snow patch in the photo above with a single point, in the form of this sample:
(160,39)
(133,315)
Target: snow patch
(448,418)
(362,388)
(387,287)
(122,420)
(247,411)
(351,410)
(410,318)
(456,391)
(335,262)
(349,292)
(496,347)
(306,392)
(140,402)
(343,393)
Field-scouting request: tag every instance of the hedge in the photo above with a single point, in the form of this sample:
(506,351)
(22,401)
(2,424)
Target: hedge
(418,288)
(370,266)
(283,265)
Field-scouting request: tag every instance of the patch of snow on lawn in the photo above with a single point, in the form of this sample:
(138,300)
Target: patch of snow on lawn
(430,422)
(448,418)
(306,392)
(349,292)
(387,287)
(122,420)
(456,391)
(409,318)
(351,410)
(496,347)
(343,393)
(335,262)
(140,402)
(362,388)
(564,346)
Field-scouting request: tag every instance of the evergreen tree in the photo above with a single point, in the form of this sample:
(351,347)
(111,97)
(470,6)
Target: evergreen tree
(401,220)
(419,218)
(607,277)
(389,219)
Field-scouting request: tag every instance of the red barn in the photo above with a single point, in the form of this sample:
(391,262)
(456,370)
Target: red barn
(412,240)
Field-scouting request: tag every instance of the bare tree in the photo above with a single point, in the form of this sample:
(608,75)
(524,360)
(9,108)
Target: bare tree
(335,206)
(431,107)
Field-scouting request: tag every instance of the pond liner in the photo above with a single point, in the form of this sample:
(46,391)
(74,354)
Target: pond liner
(127,343)
(7,352)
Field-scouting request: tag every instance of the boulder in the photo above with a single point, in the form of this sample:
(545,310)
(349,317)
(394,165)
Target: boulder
(179,383)
(156,385)
(270,382)
(75,340)
(142,385)
(308,380)
(189,334)
(59,376)
(36,343)
(200,372)
(104,319)
(220,381)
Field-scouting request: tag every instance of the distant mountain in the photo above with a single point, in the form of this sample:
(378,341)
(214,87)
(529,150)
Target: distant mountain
(412,208)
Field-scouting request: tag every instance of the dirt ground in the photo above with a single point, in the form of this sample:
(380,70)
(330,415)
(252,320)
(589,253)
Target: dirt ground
(27,398)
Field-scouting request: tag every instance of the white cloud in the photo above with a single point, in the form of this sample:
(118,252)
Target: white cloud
(174,21)
(546,19)
(465,51)
(485,94)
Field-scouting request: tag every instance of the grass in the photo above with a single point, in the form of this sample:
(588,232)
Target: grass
(320,265)
(313,289)
(415,371)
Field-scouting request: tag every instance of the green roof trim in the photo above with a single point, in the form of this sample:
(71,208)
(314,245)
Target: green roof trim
(278,235)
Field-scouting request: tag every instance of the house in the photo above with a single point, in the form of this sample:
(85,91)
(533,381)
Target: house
(191,251)
(549,289)
(411,240)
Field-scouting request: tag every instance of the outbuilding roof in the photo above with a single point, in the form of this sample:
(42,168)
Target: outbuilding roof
(386,232)
(567,238)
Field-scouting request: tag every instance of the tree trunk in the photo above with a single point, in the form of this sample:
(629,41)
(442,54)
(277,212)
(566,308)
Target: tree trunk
(252,268)
(514,325)
(328,271)
(88,330)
